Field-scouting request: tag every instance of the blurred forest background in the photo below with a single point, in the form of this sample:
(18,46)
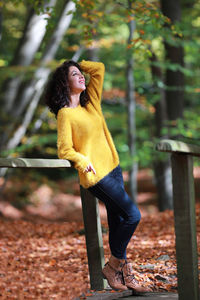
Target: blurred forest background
(151,90)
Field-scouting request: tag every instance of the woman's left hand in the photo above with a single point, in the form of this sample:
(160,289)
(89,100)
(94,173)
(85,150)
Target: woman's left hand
(90,168)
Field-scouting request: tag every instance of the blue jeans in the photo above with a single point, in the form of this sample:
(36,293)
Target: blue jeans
(123,214)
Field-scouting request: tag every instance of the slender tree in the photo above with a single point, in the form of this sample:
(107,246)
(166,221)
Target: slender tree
(162,168)
(0,24)
(171,104)
(30,42)
(131,106)
(174,79)
(33,34)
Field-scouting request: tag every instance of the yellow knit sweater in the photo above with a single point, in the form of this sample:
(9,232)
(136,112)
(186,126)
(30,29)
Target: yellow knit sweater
(83,136)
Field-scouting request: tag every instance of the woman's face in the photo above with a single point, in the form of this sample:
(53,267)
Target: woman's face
(76,80)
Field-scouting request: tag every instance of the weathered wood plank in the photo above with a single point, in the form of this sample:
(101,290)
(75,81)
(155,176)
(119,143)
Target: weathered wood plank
(177,146)
(94,242)
(185,226)
(33,163)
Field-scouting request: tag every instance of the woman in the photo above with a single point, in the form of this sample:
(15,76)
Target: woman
(84,139)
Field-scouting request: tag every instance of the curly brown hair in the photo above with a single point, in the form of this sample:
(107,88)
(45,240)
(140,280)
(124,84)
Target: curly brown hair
(57,93)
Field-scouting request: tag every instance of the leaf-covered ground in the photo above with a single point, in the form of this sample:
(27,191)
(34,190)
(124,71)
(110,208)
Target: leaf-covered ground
(43,253)
(48,261)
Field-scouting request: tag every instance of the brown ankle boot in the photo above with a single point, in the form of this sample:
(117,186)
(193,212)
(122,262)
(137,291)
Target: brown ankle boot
(113,273)
(130,281)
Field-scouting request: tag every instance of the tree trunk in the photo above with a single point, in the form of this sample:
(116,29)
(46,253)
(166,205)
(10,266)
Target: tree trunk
(188,4)
(63,24)
(172,97)
(131,106)
(175,55)
(93,54)
(34,32)
(162,168)
(0,24)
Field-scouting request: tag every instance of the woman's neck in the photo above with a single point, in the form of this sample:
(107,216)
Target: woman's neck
(74,100)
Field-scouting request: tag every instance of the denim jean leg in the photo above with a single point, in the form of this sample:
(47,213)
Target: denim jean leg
(123,214)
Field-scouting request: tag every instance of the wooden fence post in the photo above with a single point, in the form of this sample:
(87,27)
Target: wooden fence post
(185,226)
(94,242)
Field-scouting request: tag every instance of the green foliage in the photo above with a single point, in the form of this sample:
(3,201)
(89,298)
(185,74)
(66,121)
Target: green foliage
(36,142)
(103,24)
(117,122)
(189,127)
(40,6)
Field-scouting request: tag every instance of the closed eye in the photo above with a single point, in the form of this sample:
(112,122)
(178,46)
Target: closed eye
(75,73)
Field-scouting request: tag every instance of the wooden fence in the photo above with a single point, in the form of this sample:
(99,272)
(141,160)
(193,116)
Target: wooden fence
(91,218)
(184,215)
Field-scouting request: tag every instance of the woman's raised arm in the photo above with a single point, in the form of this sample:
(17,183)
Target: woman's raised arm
(96,71)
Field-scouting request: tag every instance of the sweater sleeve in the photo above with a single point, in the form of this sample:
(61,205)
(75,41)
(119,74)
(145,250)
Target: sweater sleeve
(65,143)
(94,88)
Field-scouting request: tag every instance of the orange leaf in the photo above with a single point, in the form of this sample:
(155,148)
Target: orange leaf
(52,262)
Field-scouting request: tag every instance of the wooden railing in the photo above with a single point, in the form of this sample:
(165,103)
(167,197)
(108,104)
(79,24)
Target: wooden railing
(91,218)
(184,215)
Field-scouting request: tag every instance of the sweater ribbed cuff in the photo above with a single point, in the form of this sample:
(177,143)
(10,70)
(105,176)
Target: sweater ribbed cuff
(82,164)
